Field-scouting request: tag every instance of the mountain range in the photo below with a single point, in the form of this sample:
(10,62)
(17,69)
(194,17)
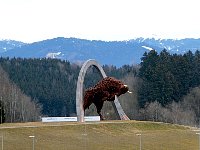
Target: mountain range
(115,53)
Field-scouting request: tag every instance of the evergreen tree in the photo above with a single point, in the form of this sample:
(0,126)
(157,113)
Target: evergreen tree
(196,71)
(166,78)
(52,82)
(148,74)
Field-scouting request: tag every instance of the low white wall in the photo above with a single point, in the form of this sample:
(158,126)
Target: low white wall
(69,119)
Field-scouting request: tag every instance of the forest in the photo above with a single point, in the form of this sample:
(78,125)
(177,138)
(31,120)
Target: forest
(166,88)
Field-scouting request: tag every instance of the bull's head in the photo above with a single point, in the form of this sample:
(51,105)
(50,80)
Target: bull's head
(123,90)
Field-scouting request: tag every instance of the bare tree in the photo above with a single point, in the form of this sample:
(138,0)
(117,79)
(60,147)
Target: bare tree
(181,114)
(174,113)
(18,107)
(192,102)
(152,111)
(128,101)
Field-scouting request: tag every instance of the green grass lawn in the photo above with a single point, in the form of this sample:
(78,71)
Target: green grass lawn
(116,135)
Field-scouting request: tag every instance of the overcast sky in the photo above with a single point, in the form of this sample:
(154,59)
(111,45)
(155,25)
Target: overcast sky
(35,20)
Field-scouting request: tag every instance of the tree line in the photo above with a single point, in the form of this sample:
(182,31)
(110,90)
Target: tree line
(166,87)
(15,106)
(170,84)
(52,82)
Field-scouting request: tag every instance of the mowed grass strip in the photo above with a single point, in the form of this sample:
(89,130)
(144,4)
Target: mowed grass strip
(105,135)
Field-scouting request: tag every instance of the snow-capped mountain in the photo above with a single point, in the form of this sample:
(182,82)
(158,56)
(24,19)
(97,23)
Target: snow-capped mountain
(172,45)
(116,53)
(6,45)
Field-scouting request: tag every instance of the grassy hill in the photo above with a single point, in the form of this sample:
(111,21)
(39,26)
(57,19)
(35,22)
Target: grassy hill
(105,135)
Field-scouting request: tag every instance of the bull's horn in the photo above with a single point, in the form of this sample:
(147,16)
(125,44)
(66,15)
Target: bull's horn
(129,92)
(125,85)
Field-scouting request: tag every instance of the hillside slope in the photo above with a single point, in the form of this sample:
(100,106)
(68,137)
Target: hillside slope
(117,135)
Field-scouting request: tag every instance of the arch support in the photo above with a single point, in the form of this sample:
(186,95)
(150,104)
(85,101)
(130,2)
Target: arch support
(79,91)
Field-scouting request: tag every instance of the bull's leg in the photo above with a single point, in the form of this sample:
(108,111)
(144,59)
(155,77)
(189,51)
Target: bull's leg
(99,106)
(86,104)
